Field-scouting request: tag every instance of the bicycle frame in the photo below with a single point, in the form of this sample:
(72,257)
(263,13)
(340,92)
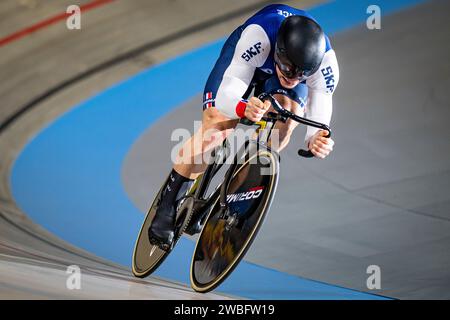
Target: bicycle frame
(264,131)
(192,210)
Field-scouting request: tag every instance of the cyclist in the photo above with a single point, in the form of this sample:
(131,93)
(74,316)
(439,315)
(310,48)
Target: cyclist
(279,50)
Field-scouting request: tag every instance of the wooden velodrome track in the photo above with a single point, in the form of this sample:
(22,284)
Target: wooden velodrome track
(384,196)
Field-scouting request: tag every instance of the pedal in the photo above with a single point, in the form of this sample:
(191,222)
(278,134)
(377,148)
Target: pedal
(194,225)
(194,228)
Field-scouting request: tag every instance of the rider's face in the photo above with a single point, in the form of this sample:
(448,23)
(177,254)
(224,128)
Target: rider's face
(286,82)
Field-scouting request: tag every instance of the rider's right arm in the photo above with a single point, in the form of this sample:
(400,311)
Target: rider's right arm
(239,73)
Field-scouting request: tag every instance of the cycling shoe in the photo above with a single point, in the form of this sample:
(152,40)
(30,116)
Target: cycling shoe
(162,229)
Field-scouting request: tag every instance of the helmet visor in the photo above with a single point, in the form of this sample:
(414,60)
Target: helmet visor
(287,68)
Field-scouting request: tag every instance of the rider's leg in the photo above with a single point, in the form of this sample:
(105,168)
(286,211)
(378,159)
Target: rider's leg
(193,156)
(294,100)
(190,163)
(284,130)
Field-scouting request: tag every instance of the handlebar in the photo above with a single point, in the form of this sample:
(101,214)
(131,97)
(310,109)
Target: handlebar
(287,114)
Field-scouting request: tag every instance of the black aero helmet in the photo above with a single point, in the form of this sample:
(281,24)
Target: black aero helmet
(300,47)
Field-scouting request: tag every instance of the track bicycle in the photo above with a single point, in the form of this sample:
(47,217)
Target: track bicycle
(228,218)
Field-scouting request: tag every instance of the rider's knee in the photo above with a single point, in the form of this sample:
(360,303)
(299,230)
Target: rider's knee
(288,127)
(286,102)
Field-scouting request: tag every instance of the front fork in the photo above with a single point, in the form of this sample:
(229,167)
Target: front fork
(223,214)
(262,134)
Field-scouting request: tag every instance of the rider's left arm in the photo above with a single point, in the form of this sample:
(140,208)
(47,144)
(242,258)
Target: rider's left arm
(320,110)
(321,87)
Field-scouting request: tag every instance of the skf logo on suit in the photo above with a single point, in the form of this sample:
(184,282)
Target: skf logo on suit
(252,51)
(329,78)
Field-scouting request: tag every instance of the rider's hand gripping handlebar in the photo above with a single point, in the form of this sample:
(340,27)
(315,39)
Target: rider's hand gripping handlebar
(278,108)
(287,114)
